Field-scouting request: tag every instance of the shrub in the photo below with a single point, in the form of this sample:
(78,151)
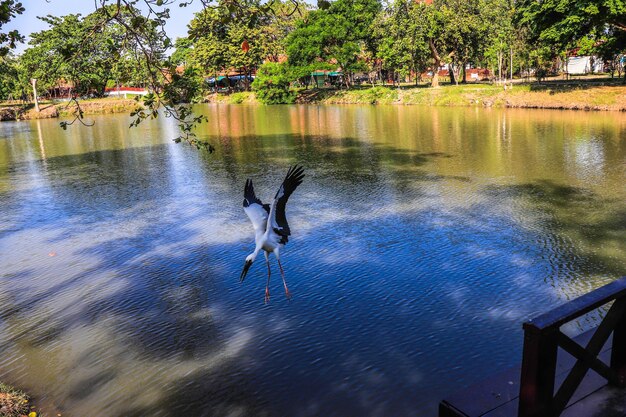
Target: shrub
(272,84)
(238,98)
(13,403)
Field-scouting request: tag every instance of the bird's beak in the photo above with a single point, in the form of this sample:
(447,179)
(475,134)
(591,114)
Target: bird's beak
(246,266)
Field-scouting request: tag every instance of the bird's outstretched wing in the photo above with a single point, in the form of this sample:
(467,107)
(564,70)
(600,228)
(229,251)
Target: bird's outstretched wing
(278,219)
(255,209)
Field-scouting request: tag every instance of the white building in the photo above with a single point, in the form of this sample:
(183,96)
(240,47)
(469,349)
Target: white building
(584,64)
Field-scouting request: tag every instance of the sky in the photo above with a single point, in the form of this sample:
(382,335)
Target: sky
(27,22)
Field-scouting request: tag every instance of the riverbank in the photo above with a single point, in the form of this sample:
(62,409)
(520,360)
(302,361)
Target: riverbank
(605,96)
(50,110)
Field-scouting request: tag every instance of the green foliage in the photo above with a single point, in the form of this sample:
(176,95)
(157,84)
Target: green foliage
(337,33)
(218,36)
(184,88)
(562,23)
(182,52)
(89,52)
(411,37)
(8,10)
(209,36)
(272,84)
(9,78)
(466,30)
(238,98)
(611,51)
(501,36)
(402,41)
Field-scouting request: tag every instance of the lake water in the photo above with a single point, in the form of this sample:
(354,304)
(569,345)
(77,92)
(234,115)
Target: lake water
(421,240)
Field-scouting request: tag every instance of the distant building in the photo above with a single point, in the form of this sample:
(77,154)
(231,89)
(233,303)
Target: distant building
(321,78)
(585,64)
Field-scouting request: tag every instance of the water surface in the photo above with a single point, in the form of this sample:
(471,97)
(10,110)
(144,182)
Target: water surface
(421,240)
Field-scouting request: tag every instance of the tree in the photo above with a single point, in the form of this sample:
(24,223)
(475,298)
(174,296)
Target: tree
(148,49)
(83,52)
(500,35)
(209,36)
(402,43)
(611,51)
(465,33)
(9,78)
(338,33)
(8,10)
(563,22)
(432,22)
(272,84)
(182,53)
(219,38)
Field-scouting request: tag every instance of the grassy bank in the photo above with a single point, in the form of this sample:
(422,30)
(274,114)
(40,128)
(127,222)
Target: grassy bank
(64,109)
(575,95)
(551,95)
(234,98)
(100,106)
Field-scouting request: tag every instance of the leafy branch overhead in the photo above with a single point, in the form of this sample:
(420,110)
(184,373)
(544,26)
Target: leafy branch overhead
(9,9)
(124,41)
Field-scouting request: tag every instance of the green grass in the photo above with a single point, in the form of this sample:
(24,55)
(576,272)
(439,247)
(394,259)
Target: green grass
(238,98)
(552,95)
(233,98)
(453,95)
(374,95)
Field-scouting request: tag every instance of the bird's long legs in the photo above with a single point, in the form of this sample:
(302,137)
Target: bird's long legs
(282,274)
(269,272)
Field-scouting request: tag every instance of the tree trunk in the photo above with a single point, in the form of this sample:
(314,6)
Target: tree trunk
(437,63)
(463,73)
(453,79)
(511,65)
(499,65)
(34,83)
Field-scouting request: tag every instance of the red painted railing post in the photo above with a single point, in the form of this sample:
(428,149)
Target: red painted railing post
(618,350)
(538,371)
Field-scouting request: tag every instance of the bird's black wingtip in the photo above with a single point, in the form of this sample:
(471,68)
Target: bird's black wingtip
(248,194)
(248,190)
(295,172)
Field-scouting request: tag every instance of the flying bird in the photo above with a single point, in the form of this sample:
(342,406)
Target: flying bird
(271,230)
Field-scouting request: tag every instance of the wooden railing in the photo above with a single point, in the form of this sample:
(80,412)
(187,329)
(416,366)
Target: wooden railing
(543,337)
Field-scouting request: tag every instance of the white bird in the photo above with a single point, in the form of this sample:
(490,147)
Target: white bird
(271,230)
